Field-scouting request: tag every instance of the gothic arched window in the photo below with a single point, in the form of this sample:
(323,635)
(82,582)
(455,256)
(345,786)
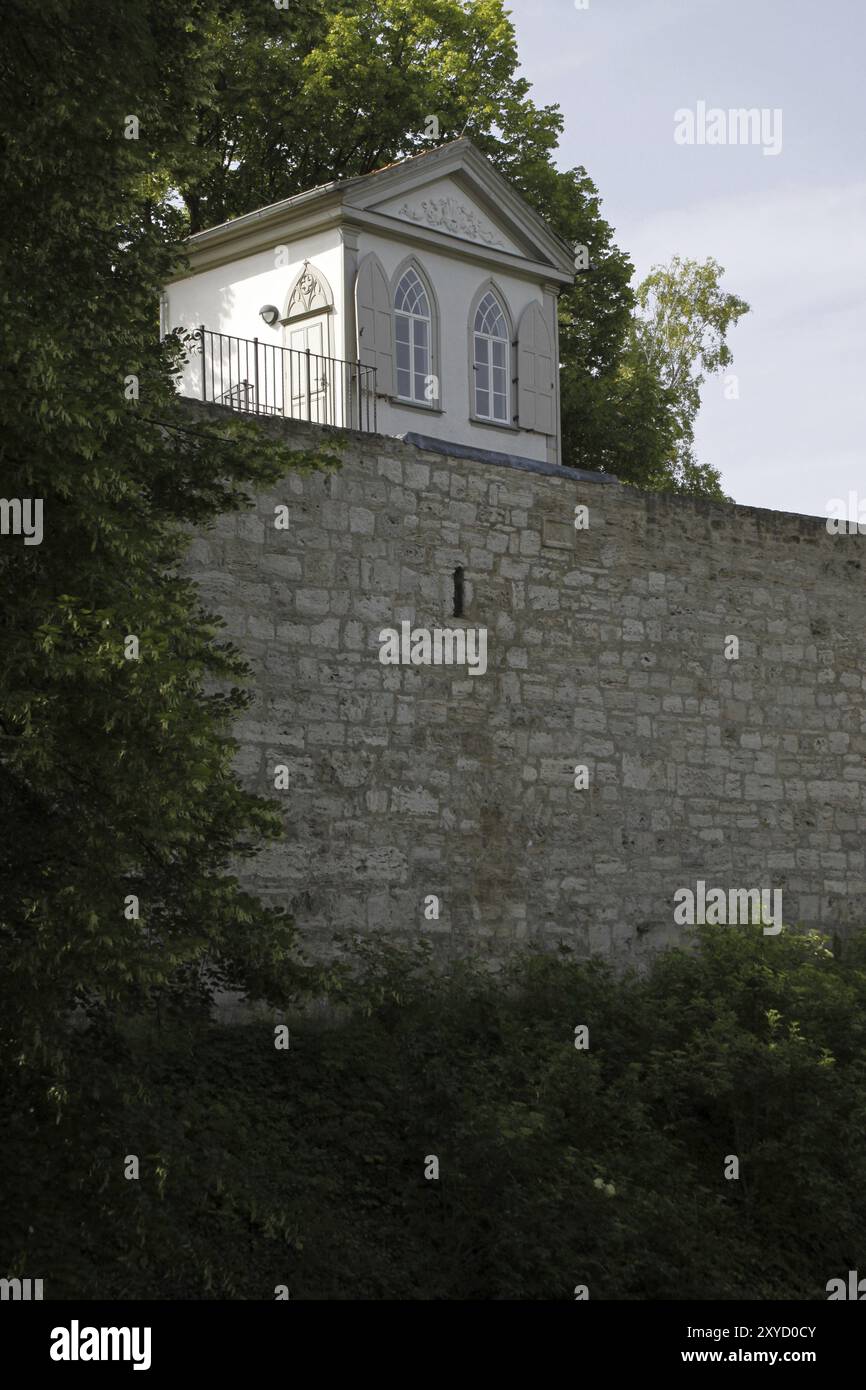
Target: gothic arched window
(413,337)
(491,360)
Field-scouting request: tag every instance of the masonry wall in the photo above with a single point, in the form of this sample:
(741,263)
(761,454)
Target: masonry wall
(606,647)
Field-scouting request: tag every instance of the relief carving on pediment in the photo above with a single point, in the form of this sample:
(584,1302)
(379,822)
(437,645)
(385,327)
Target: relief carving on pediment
(450,216)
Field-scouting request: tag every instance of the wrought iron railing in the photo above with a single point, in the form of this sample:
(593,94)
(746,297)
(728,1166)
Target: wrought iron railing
(264,379)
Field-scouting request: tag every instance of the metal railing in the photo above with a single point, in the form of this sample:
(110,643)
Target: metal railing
(265,379)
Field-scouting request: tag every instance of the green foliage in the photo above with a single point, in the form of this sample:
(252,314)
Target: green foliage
(329,89)
(678,336)
(644,399)
(115,774)
(558,1166)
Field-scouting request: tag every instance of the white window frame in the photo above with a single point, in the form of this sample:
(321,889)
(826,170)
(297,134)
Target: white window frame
(414,320)
(482,354)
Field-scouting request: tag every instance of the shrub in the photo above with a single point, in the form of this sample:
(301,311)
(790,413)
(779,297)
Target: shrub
(557,1166)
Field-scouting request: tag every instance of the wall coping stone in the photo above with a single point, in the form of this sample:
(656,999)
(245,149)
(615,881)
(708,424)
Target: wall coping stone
(471,451)
(306,434)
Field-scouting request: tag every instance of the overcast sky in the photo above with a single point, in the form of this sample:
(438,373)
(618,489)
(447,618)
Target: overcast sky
(789,228)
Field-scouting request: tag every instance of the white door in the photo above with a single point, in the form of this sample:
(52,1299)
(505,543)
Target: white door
(307,388)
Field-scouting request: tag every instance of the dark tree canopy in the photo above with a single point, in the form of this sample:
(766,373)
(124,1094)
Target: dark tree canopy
(115,772)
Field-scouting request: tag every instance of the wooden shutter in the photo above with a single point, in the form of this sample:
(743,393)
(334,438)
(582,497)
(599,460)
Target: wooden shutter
(375,323)
(536,391)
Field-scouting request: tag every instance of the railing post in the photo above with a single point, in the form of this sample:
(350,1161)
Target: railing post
(309,401)
(203,365)
(256,373)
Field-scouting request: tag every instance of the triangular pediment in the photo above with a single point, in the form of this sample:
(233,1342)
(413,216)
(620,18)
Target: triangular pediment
(452,195)
(443,205)
(455,194)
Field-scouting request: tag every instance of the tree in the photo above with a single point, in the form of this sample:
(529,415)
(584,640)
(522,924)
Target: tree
(679,335)
(330,89)
(119,810)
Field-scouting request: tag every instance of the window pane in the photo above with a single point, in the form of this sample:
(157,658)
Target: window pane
(412,337)
(404,362)
(498,353)
(410,294)
(482,385)
(421,351)
(499,410)
(489,317)
(420,358)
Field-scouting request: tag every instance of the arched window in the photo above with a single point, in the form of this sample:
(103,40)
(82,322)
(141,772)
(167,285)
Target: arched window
(490,360)
(413,335)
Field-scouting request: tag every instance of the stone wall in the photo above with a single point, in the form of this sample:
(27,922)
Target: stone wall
(606,648)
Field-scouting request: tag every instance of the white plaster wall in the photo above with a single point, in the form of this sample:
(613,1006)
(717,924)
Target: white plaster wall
(228,299)
(455,282)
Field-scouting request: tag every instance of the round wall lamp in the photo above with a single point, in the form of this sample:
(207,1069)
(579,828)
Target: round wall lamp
(270,313)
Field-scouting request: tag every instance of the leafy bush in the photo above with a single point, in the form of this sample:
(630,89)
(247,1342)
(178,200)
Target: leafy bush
(558,1166)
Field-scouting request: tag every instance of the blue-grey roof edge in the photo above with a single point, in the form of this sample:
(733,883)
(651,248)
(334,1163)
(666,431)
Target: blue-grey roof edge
(469,451)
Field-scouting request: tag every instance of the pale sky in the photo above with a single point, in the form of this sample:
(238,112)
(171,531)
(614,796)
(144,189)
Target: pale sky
(790,228)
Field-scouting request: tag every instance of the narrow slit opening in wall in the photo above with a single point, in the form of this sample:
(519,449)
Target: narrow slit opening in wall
(458,592)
